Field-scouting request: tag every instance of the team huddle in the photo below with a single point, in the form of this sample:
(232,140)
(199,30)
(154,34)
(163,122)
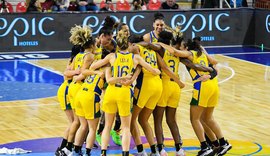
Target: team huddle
(125,79)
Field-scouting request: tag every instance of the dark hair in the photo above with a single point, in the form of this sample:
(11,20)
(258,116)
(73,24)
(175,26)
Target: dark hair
(177,40)
(135,38)
(89,43)
(197,38)
(74,51)
(193,45)
(108,26)
(165,37)
(104,53)
(120,25)
(158,16)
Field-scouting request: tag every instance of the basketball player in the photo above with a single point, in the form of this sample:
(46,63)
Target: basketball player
(118,96)
(146,97)
(205,98)
(171,92)
(81,61)
(108,45)
(63,98)
(158,25)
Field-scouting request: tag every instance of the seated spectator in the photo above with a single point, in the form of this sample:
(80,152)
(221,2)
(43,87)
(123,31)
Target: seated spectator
(92,6)
(107,6)
(82,5)
(169,4)
(138,5)
(33,6)
(47,6)
(61,5)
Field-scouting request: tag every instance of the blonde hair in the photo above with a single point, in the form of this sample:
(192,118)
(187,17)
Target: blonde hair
(122,40)
(80,35)
(176,32)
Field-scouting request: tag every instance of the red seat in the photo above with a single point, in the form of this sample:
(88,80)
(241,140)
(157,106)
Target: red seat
(122,5)
(103,4)
(154,5)
(21,7)
(9,7)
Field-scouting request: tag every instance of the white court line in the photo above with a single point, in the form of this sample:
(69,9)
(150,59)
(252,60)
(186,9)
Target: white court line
(226,46)
(53,71)
(244,60)
(222,81)
(246,53)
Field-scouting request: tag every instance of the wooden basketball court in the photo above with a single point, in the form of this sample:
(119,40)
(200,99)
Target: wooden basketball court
(243,110)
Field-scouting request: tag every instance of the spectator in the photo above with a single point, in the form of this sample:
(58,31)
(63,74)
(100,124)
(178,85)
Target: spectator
(138,5)
(47,6)
(107,6)
(92,6)
(244,3)
(211,4)
(169,4)
(82,5)
(33,6)
(61,5)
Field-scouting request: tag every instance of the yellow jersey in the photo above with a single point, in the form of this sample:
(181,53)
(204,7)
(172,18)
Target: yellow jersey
(153,37)
(98,53)
(78,62)
(150,57)
(172,62)
(202,60)
(123,64)
(93,83)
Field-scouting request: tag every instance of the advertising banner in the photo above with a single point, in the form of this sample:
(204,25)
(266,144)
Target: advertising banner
(262,28)
(50,31)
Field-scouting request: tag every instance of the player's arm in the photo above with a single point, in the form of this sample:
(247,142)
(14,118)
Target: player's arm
(175,52)
(146,65)
(113,80)
(146,37)
(88,72)
(134,76)
(211,59)
(87,61)
(198,67)
(101,63)
(69,72)
(167,70)
(148,45)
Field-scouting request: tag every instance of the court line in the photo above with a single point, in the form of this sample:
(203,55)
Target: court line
(260,148)
(246,53)
(243,60)
(51,70)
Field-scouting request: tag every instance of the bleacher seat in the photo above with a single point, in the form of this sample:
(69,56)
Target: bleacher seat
(9,7)
(21,7)
(122,5)
(154,4)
